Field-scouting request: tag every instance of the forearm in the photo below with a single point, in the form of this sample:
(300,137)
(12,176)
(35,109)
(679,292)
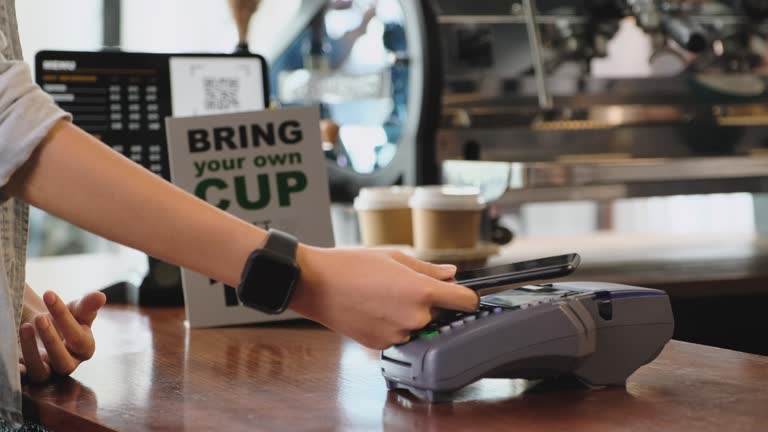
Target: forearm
(74,176)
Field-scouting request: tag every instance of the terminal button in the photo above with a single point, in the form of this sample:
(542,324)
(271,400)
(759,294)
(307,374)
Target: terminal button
(457,323)
(605,309)
(429,335)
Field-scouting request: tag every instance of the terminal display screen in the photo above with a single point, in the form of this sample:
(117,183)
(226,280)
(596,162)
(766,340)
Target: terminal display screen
(124,98)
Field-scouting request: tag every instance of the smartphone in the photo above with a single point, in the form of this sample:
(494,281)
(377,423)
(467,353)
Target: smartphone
(522,273)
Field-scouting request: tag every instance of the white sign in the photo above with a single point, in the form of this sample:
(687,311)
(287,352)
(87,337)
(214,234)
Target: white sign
(214,85)
(266,168)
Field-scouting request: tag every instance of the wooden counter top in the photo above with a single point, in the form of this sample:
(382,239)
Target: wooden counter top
(153,373)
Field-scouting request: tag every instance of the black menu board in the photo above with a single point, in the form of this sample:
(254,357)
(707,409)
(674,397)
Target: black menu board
(123,98)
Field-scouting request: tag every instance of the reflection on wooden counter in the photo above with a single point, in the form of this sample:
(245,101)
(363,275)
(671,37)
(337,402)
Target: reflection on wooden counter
(153,373)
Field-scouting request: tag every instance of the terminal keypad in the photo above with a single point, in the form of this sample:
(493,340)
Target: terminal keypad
(456,320)
(452,321)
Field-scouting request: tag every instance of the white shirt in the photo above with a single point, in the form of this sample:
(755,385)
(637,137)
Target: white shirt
(26,115)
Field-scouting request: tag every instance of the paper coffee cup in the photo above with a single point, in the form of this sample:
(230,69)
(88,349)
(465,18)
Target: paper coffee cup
(446,217)
(385,216)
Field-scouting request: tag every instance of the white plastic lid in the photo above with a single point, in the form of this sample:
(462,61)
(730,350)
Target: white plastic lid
(447,198)
(382,198)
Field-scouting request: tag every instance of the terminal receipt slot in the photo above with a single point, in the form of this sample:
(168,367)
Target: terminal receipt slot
(599,333)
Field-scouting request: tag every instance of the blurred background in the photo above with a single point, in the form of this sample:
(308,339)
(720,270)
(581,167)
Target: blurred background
(631,131)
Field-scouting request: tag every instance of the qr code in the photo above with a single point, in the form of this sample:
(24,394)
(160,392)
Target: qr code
(221,93)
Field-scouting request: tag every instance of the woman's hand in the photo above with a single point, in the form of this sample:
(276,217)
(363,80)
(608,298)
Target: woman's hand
(373,296)
(55,338)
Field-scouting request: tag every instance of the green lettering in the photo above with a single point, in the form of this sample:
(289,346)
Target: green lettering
(260,161)
(202,191)
(277,159)
(289,183)
(241,193)
(199,168)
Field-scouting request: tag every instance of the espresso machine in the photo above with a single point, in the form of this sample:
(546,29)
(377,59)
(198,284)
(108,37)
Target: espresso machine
(532,112)
(536,100)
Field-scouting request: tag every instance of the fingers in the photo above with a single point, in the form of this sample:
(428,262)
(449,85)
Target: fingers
(436,313)
(442,294)
(36,369)
(60,359)
(454,297)
(405,337)
(88,307)
(78,338)
(70,323)
(382,342)
(442,272)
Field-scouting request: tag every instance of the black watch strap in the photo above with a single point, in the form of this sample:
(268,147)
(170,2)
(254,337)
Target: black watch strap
(281,243)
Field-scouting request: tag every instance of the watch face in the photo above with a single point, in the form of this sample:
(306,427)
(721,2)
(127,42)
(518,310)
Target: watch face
(268,281)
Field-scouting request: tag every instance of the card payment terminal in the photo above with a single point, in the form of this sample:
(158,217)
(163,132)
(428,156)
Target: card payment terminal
(599,333)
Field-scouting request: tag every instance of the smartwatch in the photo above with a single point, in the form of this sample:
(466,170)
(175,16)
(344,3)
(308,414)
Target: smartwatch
(270,274)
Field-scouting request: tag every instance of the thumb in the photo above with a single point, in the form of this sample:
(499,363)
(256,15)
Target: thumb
(437,271)
(86,309)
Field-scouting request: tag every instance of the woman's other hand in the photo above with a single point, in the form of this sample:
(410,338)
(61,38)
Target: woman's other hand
(55,341)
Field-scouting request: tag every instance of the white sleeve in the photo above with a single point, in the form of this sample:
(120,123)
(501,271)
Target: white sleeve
(27,113)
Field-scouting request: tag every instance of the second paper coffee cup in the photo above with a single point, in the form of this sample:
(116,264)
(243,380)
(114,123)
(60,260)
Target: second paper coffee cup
(446,217)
